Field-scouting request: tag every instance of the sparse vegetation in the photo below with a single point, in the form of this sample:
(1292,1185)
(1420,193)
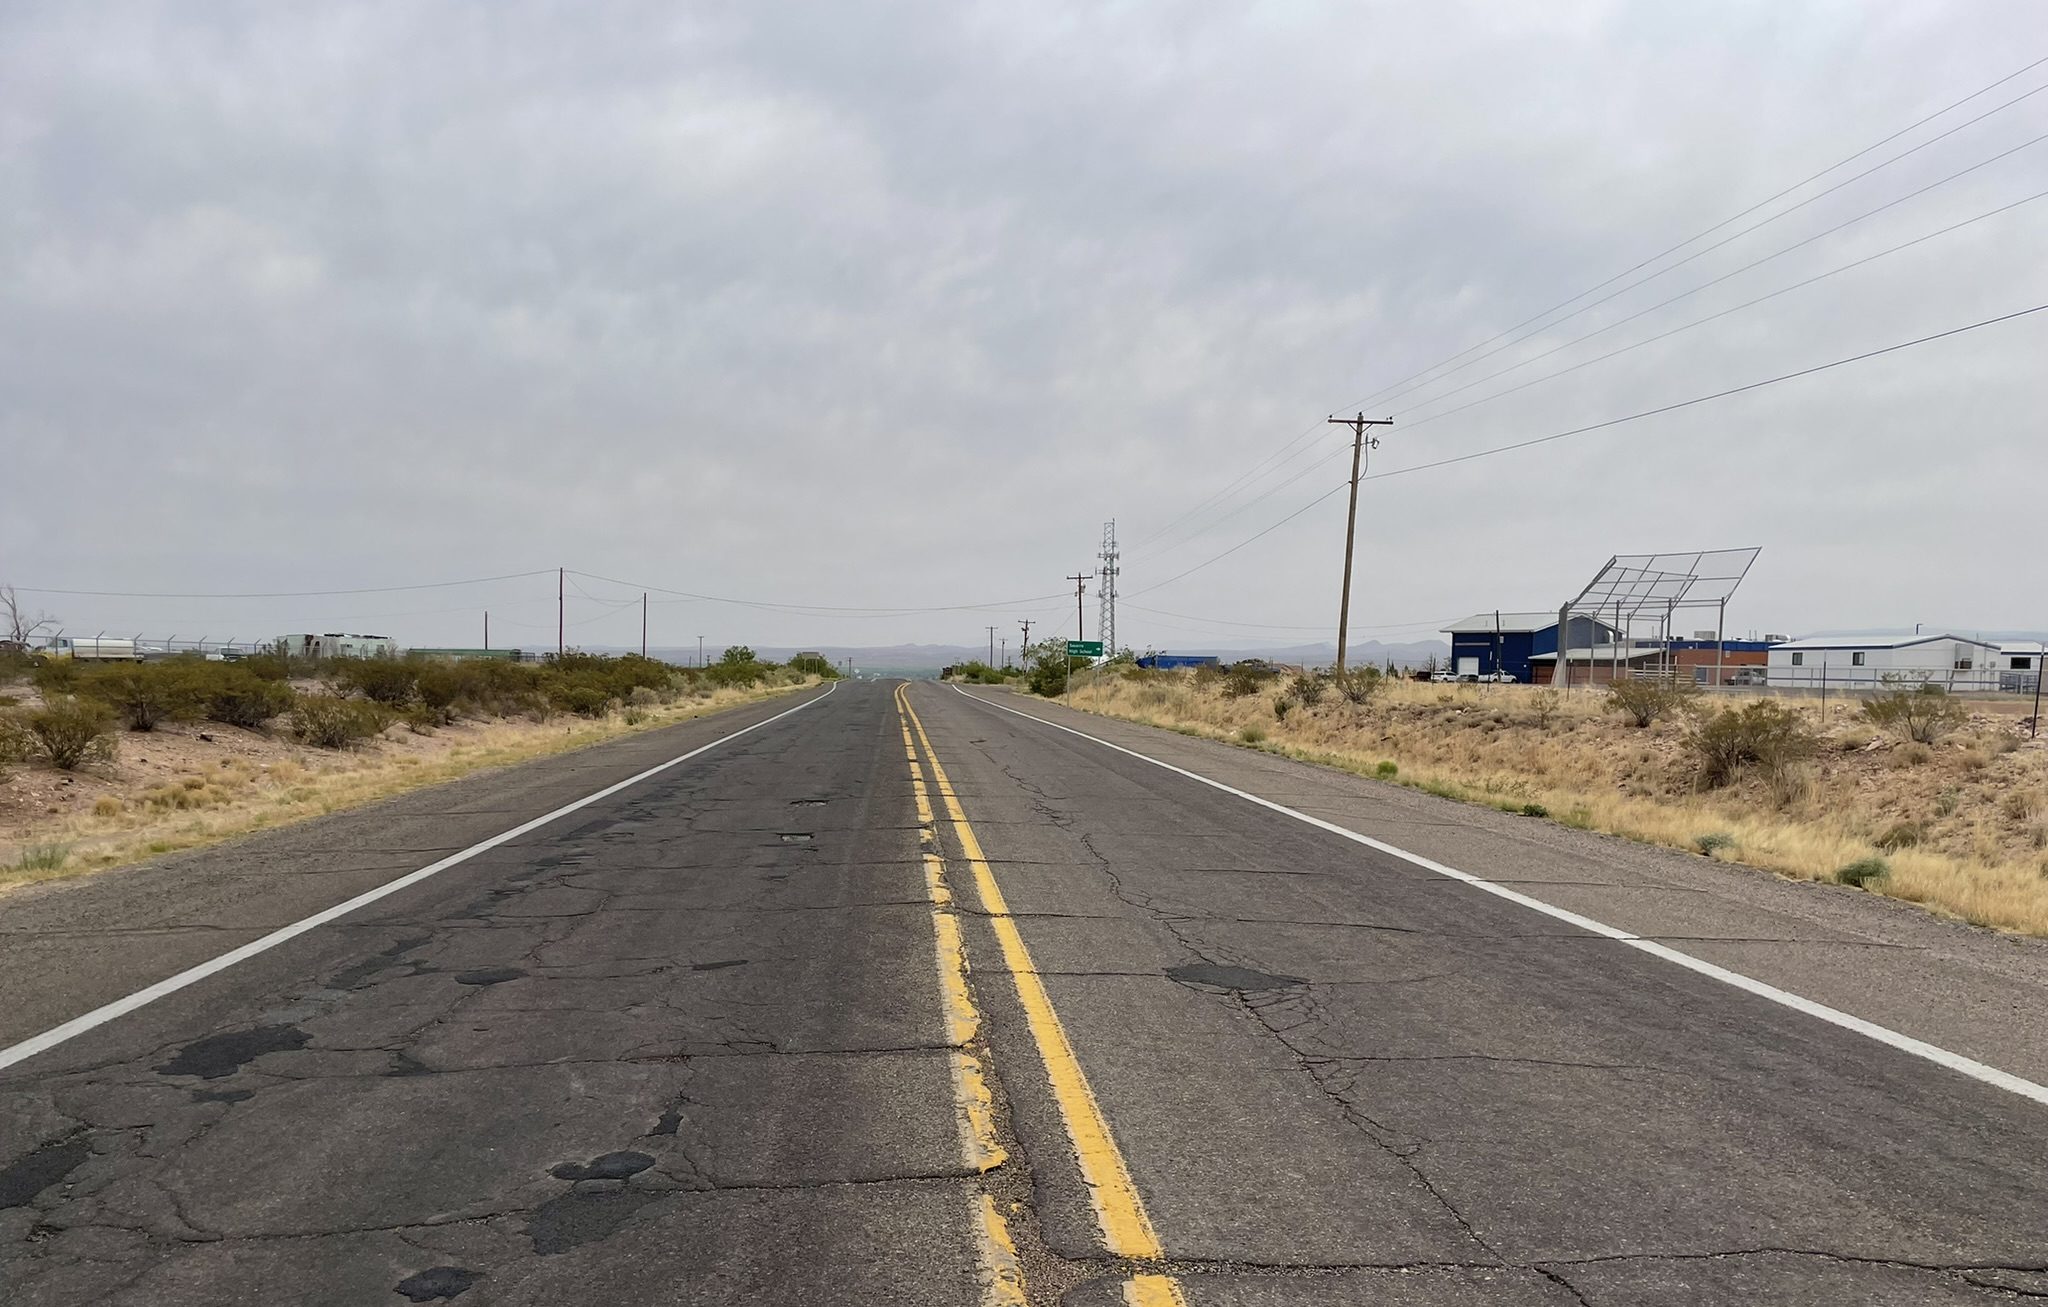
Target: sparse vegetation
(1791,797)
(1644,700)
(1713,842)
(1922,714)
(1764,734)
(68,733)
(329,721)
(42,857)
(1863,872)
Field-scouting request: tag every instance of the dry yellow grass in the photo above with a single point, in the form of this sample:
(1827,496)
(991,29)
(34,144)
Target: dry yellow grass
(1960,823)
(237,796)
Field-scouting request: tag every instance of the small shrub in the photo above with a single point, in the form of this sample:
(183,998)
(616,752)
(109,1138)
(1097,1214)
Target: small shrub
(393,682)
(1244,679)
(329,721)
(146,695)
(1863,872)
(1387,770)
(1764,734)
(1913,754)
(1547,703)
(1946,803)
(2020,804)
(1533,810)
(1251,735)
(582,697)
(1282,705)
(1644,701)
(1923,714)
(645,696)
(1358,685)
(1900,835)
(422,719)
(43,857)
(239,697)
(636,716)
(68,732)
(1790,783)
(1307,690)
(108,806)
(1577,818)
(1713,842)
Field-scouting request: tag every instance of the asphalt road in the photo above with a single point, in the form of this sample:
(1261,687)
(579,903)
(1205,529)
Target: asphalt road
(908,998)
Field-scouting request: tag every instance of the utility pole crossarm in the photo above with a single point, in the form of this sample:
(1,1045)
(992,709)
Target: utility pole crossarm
(1359,445)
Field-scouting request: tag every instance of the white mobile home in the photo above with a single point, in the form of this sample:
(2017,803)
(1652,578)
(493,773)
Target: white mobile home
(337,644)
(2019,663)
(1868,662)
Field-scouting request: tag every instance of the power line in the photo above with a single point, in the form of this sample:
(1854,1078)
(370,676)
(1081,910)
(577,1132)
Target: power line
(1699,253)
(1651,340)
(281,594)
(1737,217)
(1598,426)
(1702,399)
(814,610)
(1285,453)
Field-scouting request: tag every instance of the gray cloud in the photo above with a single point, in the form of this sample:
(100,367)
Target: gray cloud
(891,305)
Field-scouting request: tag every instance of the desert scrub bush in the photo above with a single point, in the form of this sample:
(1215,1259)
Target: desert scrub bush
(1765,735)
(1244,679)
(1946,802)
(68,732)
(1387,771)
(108,806)
(2020,804)
(1252,735)
(1900,835)
(581,697)
(1863,872)
(1643,701)
(146,695)
(643,696)
(819,667)
(1307,690)
(1282,705)
(1713,842)
(1358,685)
(422,719)
(236,696)
(42,857)
(1923,714)
(1912,754)
(393,682)
(329,721)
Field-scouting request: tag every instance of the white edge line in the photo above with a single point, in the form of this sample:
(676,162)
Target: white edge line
(1976,1070)
(99,1016)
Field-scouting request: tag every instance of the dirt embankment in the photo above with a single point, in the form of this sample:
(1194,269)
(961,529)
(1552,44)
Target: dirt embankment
(1961,825)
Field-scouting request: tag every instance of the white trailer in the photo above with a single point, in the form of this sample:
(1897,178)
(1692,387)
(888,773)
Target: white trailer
(96,649)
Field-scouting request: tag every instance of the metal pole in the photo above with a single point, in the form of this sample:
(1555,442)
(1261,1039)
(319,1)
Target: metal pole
(561,611)
(487,630)
(1720,643)
(643,624)
(991,646)
(1358,425)
(2039,673)
(700,651)
(1564,644)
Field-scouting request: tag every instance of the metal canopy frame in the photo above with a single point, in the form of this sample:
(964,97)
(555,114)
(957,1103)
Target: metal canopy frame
(1633,588)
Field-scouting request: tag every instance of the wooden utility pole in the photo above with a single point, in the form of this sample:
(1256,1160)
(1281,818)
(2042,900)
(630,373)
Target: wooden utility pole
(1080,587)
(1024,650)
(991,646)
(561,611)
(1358,448)
(643,624)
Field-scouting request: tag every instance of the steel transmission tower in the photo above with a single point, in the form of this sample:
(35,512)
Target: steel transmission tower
(1106,592)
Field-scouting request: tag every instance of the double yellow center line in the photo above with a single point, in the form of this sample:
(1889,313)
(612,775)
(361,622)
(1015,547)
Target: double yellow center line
(1120,1212)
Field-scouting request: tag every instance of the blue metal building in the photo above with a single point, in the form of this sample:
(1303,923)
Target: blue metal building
(1488,642)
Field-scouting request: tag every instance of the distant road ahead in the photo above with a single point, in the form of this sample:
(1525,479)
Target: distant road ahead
(906,996)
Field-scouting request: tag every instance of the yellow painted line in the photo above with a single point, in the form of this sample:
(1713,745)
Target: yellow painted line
(962,1021)
(935,880)
(1126,1229)
(1002,1280)
(1153,1291)
(976,1108)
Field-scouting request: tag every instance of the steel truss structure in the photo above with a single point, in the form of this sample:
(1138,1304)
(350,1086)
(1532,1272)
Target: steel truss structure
(1637,591)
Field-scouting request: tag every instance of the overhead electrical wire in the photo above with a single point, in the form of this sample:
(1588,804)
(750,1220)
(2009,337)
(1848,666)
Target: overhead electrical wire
(1286,452)
(283,594)
(1701,235)
(1409,424)
(815,610)
(1601,426)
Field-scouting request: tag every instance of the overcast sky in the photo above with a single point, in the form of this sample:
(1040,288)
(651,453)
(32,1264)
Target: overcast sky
(890,306)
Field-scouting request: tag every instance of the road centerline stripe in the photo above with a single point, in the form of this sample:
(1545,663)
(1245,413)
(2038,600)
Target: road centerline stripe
(142,998)
(1126,1227)
(1904,1043)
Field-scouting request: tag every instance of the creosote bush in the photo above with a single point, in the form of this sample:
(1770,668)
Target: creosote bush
(1765,735)
(1357,685)
(146,695)
(236,696)
(1307,689)
(68,732)
(1923,714)
(1643,701)
(1244,679)
(328,721)
(1863,871)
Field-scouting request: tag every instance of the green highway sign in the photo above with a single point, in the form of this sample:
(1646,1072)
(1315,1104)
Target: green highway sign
(1084,648)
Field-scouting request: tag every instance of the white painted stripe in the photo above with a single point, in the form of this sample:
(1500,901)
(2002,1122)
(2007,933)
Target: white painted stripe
(1976,1070)
(99,1016)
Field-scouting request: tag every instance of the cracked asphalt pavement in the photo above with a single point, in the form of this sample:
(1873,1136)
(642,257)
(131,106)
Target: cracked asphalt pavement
(690,1044)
